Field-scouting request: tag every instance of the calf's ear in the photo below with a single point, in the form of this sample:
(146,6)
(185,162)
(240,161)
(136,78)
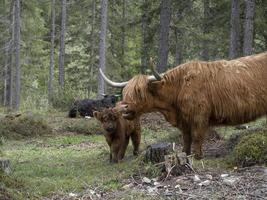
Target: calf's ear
(154,87)
(96,115)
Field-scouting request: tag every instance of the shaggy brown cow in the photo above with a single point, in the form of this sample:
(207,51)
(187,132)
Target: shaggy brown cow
(196,95)
(118,132)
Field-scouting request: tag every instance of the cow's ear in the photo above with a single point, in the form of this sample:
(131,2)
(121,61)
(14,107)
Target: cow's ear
(96,115)
(154,87)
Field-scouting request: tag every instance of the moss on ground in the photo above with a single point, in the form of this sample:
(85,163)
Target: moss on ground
(83,126)
(251,150)
(10,188)
(26,125)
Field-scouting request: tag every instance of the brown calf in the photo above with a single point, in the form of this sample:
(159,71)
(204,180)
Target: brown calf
(118,132)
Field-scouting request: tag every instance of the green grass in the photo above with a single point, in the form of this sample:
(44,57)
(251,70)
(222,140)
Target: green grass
(71,162)
(53,168)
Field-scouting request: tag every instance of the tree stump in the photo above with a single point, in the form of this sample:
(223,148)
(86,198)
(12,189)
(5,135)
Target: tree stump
(155,153)
(177,164)
(5,165)
(169,159)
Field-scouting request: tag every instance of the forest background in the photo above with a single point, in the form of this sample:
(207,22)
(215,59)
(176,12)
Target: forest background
(51,50)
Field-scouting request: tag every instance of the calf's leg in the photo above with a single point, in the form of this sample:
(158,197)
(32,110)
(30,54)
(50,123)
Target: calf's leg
(115,148)
(136,138)
(123,147)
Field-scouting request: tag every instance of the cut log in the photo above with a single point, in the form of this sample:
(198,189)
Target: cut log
(5,165)
(155,153)
(168,158)
(177,164)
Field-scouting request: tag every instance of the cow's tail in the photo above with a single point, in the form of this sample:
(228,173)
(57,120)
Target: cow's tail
(73,111)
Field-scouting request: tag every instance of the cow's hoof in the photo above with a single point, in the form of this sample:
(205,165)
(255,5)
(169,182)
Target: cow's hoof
(135,153)
(188,152)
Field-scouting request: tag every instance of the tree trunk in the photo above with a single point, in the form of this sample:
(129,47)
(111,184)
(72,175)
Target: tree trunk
(178,47)
(61,72)
(123,32)
(5,74)
(92,53)
(205,44)
(234,30)
(51,65)
(144,48)
(5,166)
(248,26)
(165,18)
(102,45)
(155,153)
(10,91)
(17,55)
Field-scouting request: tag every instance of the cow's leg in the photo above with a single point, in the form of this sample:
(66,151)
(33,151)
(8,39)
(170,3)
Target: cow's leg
(187,142)
(198,136)
(136,138)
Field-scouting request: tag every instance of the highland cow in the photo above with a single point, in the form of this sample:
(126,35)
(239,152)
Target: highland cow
(118,131)
(196,95)
(86,107)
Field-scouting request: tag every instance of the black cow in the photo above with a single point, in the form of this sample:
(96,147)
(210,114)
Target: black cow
(86,107)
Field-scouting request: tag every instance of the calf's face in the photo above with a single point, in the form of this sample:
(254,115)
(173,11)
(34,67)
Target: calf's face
(108,119)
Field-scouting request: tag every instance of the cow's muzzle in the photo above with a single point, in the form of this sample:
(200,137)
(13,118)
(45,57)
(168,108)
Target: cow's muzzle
(127,112)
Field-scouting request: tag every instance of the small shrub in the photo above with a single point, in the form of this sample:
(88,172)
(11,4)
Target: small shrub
(23,126)
(251,150)
(63,99)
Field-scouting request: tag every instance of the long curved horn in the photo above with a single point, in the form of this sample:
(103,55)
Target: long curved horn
(111,83)
(152,67)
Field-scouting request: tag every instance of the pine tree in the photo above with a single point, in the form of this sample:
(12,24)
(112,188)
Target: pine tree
(61,70)
(102,45)
(16,103)
(51,65)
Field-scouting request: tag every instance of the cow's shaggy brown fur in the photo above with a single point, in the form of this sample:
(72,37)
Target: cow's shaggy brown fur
(197,95)
(118,131)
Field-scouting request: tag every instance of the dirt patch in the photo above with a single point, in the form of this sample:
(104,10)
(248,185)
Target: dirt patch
(246,183)
(155,121)
(215,145)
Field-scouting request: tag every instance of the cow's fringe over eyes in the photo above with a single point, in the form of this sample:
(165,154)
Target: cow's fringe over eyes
(132,90)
